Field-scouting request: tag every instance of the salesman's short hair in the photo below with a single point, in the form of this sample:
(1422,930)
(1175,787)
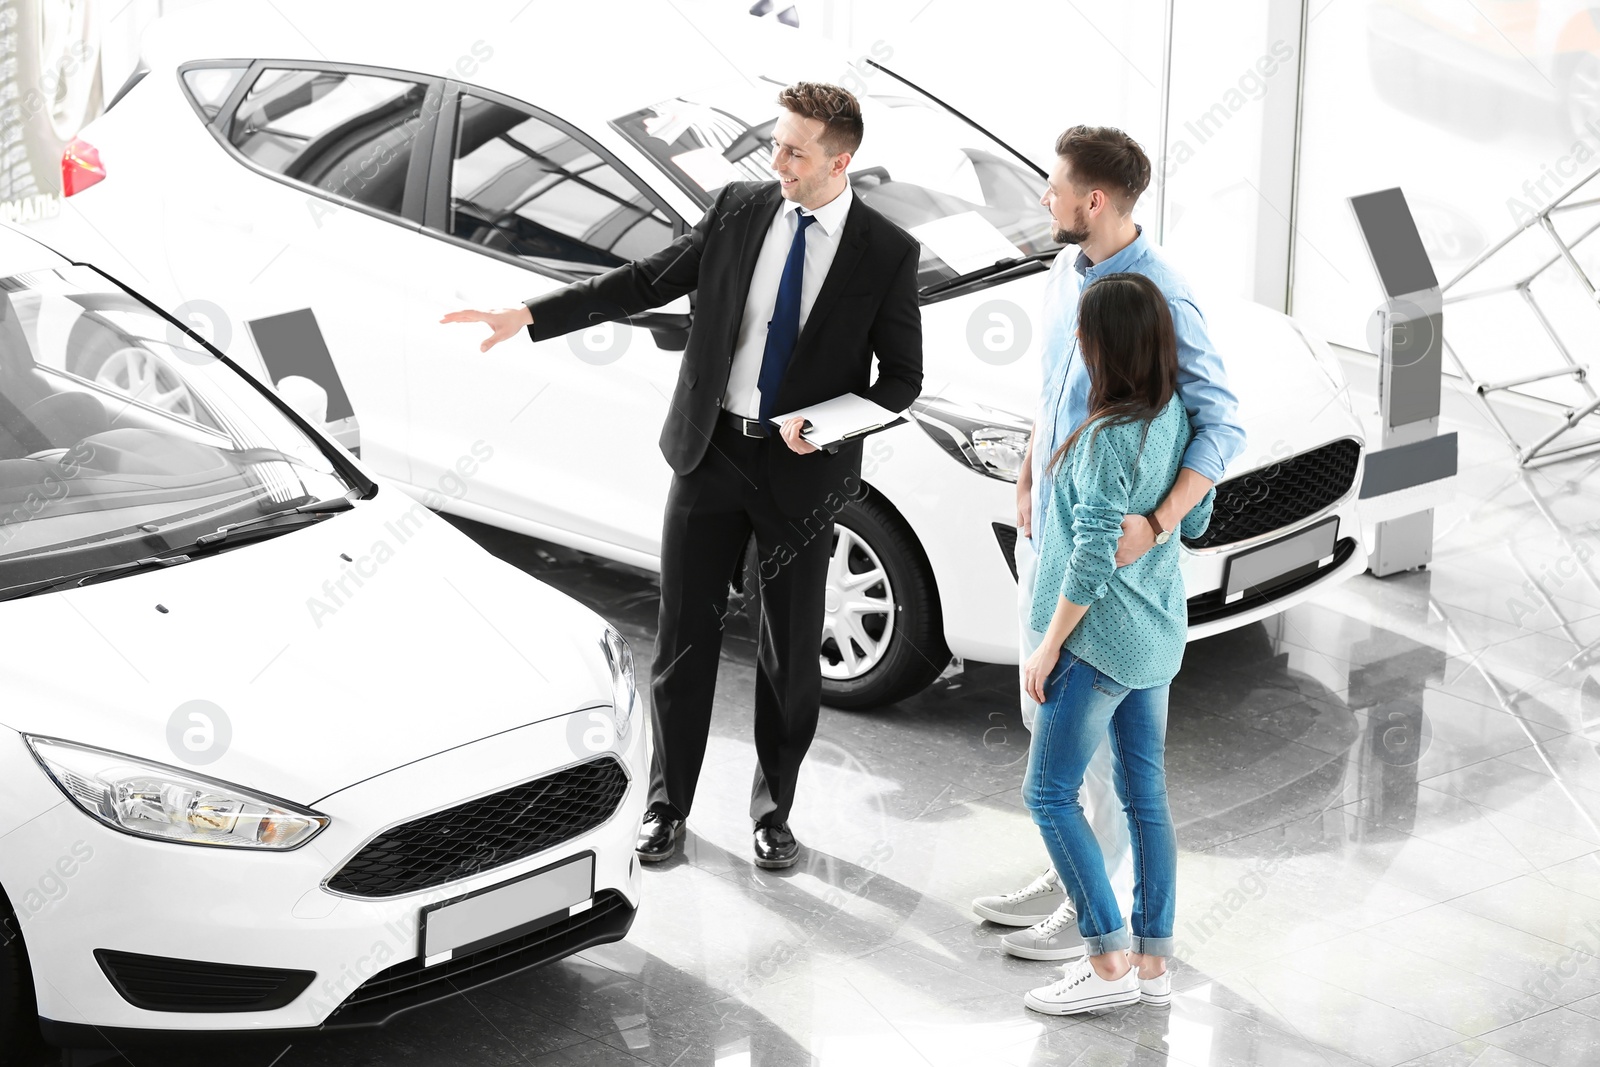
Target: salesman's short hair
(1103,157)
(837,108)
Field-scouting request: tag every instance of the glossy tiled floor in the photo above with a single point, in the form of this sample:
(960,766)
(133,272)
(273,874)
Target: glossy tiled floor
(1389,811)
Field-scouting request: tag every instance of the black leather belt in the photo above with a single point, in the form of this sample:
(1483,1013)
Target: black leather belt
(748,427)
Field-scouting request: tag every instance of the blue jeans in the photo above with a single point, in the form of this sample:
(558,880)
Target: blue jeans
(1084,707)
(1098,795)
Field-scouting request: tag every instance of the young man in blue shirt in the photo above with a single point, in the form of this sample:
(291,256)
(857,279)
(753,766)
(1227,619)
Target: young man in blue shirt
(1098,176)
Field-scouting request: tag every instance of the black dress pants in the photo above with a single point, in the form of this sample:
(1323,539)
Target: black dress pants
(710,514)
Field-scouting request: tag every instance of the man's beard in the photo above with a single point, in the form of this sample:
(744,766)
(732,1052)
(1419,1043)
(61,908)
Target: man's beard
(1079,232)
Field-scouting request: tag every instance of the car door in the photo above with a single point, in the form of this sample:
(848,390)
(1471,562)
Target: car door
(309,219)
(521,203)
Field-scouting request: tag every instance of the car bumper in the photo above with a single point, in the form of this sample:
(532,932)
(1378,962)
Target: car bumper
(987,629)
(1350,559)
(266,910)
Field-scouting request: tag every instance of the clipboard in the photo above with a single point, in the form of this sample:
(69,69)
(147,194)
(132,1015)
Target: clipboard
(833,446)
(842,420)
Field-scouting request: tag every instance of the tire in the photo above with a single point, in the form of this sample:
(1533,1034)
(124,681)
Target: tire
(92,347)
(20,1044)
(907,643)
(30,163)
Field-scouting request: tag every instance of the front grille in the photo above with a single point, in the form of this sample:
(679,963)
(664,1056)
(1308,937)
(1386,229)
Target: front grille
(158,983)
(1281,495)
(410,984)
(1007,536)
(486,833)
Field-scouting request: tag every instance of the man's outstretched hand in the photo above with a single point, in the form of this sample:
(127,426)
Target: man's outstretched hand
(505,322)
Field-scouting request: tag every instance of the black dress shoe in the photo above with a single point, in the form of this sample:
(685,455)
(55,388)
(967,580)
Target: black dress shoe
(659,834)
(776,847)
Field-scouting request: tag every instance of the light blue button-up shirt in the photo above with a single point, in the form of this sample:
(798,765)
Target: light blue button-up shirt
(1202,381)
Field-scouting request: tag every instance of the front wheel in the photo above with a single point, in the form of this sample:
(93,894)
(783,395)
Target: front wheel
(119,363)
(882,634)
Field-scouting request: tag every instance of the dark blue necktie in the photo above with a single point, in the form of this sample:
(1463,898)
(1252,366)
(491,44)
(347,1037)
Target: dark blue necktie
(784,328)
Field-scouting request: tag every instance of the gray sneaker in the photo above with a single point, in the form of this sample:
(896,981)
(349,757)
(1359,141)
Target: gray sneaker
(1056,938)
(1028,905)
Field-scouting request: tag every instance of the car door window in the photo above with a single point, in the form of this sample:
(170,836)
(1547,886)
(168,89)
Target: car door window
(523,186)
(349,135)
(209,87)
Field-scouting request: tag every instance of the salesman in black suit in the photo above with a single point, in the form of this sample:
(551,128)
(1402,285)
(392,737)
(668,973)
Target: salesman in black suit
(799,285)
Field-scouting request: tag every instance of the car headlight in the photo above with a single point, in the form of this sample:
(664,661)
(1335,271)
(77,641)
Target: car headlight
(988,440)
(623,692)
(1328,361)
(151,800)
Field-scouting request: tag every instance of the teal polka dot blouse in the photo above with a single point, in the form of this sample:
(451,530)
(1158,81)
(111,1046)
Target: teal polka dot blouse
(1138,618)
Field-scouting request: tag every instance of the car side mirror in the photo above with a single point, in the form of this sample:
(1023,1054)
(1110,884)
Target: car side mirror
(307,398)
(671,329)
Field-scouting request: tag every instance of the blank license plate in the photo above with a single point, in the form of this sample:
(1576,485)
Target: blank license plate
(1261,565)
(490,916)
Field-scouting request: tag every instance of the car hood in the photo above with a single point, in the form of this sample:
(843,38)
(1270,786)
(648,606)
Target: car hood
(1287,402)
(318,687)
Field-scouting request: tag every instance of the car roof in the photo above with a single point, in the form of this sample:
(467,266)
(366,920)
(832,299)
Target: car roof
(586,63)
(20,252)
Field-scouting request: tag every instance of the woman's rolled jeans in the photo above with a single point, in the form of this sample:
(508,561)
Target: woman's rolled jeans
(1084,708)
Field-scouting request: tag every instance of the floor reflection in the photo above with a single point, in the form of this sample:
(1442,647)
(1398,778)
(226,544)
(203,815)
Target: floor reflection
(1333,771)
(1389,815)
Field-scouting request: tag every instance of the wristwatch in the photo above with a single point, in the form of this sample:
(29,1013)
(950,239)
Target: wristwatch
(1162,536)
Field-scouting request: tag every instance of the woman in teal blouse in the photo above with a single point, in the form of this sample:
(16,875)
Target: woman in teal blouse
(1123,632)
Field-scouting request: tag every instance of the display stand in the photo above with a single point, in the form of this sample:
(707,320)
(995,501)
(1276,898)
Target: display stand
(1545,449)
(1412,452)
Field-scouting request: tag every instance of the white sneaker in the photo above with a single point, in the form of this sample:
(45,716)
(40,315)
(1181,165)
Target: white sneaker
(1080,989)
(1157,990)
(1026,906)
(1056,938)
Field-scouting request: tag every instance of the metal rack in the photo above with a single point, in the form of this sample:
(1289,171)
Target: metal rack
(1541,450)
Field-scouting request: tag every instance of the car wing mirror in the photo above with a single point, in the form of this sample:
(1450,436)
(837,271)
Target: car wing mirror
(670,328)
(307,398)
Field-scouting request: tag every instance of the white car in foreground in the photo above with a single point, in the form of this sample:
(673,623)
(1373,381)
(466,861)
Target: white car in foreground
(279,747)
(338,182)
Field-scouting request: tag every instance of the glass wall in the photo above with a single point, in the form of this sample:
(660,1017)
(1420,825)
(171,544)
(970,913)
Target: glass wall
(1480,113)
(1025,70)
(1228,184)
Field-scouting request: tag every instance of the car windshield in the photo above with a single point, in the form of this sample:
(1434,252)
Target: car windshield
(960,192)
(121,437)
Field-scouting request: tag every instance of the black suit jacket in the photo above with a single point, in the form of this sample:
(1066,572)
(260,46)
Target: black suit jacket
(867,305)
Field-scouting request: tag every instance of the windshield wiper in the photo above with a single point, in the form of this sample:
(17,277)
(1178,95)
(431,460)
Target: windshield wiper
(115,569)
(343,502)
(997,267)
(279,521)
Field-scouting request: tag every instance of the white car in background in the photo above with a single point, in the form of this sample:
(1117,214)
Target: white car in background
(60,64)
(280,749)
(355,178)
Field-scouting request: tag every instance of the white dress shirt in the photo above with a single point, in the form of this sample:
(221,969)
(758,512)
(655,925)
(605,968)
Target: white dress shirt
(743,395)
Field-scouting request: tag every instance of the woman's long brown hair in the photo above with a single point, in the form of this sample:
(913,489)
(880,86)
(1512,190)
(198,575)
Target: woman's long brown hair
(1130,351)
